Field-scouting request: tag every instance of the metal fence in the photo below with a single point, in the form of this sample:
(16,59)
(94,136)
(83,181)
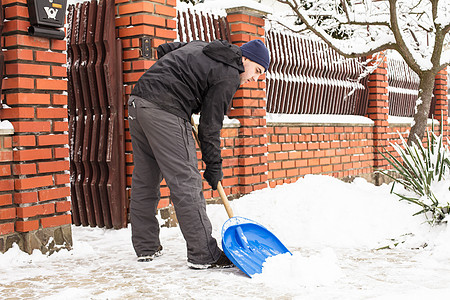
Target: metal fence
(307,77)
(96,116)
(200,25)
(403,88)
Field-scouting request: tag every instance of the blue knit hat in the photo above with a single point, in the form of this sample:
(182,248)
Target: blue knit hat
(256,51)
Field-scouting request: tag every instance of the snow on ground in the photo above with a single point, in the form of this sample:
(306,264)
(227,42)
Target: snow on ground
(332,228)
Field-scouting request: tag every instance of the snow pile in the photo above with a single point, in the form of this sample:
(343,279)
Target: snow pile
(16,257)
(311,213)
(295,271)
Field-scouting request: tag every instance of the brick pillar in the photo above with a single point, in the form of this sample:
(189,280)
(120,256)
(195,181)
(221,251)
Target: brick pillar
(35,93)
(442,107)
(378,111)
(7,208)
(136,20)
(249,106)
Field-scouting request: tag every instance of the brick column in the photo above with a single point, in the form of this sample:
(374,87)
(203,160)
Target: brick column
(7,208)
(442,107)
(249,106)
(378,111)
(35,92)
(136,20)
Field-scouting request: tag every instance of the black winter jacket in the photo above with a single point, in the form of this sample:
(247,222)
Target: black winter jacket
(191,78)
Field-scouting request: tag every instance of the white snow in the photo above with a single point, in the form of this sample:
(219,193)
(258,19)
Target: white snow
(332,228)
(6,125)
(227,122)
(6,128)
(237,3)
(203,7)
(317,119)
(408,120)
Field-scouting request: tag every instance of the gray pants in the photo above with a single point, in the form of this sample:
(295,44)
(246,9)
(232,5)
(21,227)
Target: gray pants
(163,147)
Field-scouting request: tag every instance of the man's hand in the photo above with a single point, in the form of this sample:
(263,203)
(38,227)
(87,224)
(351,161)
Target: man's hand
(213,174)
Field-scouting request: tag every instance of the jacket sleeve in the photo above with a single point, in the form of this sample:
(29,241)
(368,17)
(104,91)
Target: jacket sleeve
(215,106)
(163,49)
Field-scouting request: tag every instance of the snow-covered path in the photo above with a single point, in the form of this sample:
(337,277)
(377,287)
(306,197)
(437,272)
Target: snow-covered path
(333,238)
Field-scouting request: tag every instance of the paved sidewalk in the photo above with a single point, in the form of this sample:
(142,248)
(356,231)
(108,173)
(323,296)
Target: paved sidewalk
(102,266)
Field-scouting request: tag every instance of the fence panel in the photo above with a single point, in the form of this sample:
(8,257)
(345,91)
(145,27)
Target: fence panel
(201,25)
(115,154)
(104,115)
(96,116)
(403,89)
(307,77)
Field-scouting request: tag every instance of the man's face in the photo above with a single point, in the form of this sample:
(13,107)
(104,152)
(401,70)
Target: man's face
(252,71)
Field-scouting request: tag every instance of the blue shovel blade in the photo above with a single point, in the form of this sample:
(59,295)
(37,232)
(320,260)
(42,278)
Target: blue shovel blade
(248,244)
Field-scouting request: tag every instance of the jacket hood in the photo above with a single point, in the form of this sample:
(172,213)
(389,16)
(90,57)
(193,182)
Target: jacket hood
(226,53)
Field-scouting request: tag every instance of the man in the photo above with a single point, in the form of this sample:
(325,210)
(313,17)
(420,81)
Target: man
(188,78)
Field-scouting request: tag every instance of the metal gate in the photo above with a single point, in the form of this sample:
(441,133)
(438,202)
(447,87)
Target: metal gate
(96,116)
(201,25)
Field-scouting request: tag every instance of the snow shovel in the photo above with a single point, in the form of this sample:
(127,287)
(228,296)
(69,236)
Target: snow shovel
(246,243)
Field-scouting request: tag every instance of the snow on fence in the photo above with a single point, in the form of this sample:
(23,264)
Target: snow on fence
(403,88)
(307,77)
(195,24)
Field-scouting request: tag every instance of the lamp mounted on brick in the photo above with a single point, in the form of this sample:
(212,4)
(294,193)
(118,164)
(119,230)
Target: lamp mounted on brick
(46,16)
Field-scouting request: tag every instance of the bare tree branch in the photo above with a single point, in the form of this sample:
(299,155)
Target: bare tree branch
(443,66)
(368,23)
(446,29)
(413,35)
(400,42)
(345,8)
(289,28)
(439,40)
(329,41)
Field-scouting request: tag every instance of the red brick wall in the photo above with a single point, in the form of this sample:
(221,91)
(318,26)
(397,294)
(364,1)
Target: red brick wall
(442,106)
(7,209)
(338,150)
(35,93)
(345,150)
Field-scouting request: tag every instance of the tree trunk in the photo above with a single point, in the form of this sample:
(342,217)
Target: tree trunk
(426,88)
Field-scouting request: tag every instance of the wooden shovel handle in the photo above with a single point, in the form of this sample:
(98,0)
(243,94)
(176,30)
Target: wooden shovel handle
(222,194)
(224,198)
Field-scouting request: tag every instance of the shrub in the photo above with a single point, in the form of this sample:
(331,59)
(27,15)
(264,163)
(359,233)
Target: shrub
(423,171)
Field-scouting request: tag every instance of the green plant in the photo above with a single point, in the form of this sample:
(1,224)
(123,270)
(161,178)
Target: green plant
(418,171)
